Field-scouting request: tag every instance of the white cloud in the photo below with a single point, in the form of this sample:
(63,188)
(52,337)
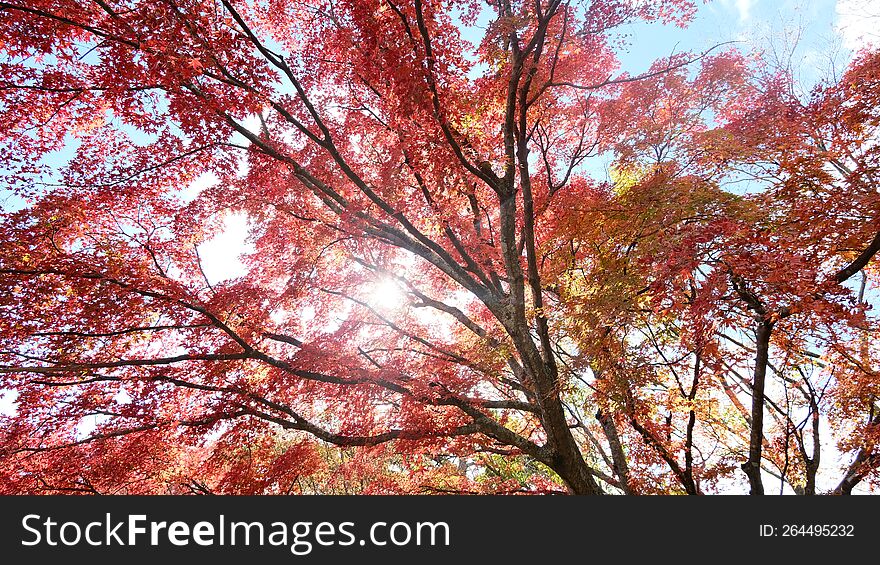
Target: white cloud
(857,23)
(743,7)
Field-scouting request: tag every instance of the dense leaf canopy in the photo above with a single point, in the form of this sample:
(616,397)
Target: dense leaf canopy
(482,258)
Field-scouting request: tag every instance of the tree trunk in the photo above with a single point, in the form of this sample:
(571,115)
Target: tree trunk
(618,457)
(752,467)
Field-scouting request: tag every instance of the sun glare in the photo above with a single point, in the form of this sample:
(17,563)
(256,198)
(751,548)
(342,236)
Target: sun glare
(387,295)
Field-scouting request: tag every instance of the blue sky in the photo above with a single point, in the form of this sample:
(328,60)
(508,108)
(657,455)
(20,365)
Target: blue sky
(819,27)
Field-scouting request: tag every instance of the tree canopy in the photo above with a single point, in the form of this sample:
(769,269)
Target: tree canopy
(483,258)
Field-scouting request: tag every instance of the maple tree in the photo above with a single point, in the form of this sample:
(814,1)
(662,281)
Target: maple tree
(443,293)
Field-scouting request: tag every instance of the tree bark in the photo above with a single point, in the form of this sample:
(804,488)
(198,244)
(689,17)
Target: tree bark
(618,457)
(752,466)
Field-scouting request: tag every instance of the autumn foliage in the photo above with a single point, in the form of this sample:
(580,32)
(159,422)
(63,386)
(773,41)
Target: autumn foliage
(446,290)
